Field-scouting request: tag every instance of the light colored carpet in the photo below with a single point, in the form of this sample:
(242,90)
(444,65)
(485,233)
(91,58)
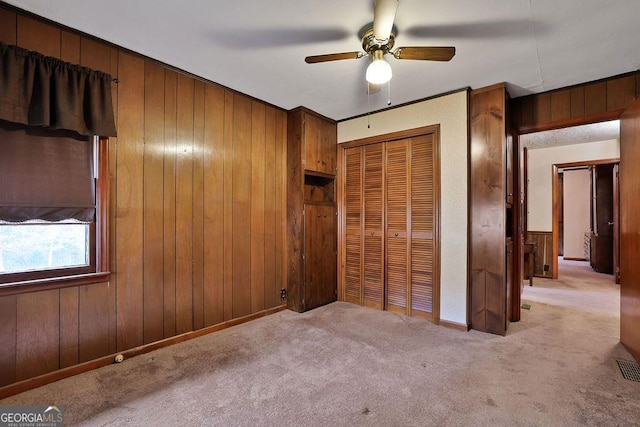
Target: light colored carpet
(347,365)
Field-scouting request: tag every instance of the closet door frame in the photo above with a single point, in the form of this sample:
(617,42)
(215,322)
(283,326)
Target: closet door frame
(389,137)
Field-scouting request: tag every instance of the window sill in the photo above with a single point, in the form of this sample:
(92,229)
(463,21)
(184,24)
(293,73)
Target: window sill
(53,283)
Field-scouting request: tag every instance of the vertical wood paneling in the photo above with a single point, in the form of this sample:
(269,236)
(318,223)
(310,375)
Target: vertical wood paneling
(526,111)
(228,204)
(38,36)
(542,108)
(213,205)
(93,322)
(129,202)
(620,92)
(595,98)
(70,47)
(196,217)
(281,203)
(561,105)
(566,107)
(198,206)
(8,26)
(153,202)
(94,310)
(544,252)
(241,206)
(257,205)
(270,218)
(111,301)
(487,213)
(69,323)
(170,149)
(8,328)
(38,333)
(95,55)
(630,229)
(577,101)
(184,205)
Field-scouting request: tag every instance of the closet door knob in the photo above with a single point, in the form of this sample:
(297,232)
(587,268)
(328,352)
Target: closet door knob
(396,234)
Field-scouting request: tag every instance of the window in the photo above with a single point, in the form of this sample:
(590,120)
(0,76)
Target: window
(53,198)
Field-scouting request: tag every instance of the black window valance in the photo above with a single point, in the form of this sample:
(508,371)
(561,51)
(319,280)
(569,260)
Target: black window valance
(38,90)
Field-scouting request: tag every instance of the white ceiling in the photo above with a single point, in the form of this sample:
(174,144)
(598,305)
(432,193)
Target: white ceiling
(603,131)
(258,46)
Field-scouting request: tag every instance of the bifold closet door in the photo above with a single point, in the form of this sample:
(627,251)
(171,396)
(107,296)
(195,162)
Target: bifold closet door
(389,207)
(373,236)
(353,225)
(397,238)
(422,226)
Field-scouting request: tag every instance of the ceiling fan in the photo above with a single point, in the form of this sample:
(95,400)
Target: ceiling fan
(378,39)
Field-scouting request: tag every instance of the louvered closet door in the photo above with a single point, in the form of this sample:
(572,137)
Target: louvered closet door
(374,226)
(422,226)
(398,203)
(353,225)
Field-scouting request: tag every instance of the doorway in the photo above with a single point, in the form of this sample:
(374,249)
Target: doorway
(548,153)
(586,202)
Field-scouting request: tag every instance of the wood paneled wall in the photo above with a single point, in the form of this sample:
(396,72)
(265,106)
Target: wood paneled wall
(576,104)
(197,214)
(544,252)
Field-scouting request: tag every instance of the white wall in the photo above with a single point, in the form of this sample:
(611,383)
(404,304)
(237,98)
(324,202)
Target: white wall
(450,112)
(577,214)
(539,170)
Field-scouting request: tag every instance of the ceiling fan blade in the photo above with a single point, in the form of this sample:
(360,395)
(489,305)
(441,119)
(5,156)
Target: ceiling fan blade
(384,12)
(332,57)
(425,53)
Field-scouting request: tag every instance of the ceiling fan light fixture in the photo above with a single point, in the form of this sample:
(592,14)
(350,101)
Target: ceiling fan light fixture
(379,71)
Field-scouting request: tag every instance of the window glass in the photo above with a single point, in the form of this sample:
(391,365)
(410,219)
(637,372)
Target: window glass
(30,247)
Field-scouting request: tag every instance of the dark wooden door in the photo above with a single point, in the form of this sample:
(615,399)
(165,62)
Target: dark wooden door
(602,241)
(616,223)
(630,229)
(320,255)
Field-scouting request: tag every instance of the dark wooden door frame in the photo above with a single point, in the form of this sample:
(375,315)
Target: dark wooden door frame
(555,193)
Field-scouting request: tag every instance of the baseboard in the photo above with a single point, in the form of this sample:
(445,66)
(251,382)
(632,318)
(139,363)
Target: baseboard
(454,325)
(573,259)
(31,383)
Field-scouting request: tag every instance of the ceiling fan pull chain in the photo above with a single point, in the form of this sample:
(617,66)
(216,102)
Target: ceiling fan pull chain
(368,107)
(389,92)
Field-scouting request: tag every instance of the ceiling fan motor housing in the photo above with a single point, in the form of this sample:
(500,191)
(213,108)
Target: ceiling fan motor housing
(370,44)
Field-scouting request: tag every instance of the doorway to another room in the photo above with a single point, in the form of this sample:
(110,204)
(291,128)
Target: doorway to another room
(570,199)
